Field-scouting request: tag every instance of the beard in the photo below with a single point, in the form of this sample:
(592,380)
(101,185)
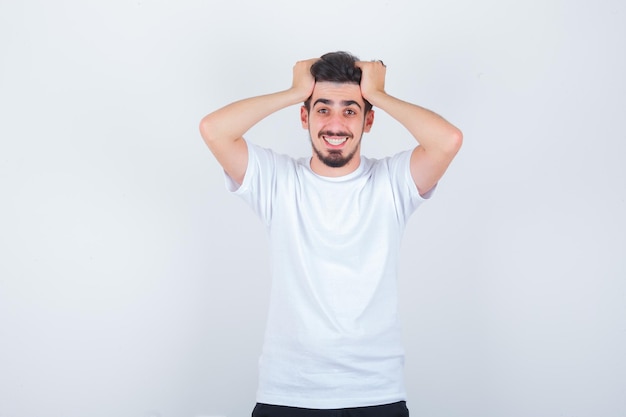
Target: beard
(335,157)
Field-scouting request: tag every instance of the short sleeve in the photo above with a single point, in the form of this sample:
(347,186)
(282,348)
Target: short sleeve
(258,183)
(407,197)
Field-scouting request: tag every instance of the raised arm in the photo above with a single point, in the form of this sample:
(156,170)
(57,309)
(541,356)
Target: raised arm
(223,129)
(438,140)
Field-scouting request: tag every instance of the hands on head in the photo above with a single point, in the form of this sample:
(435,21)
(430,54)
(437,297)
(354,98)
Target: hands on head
(372,78)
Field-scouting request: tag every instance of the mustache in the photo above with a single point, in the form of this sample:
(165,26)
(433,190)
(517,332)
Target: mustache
(331,133)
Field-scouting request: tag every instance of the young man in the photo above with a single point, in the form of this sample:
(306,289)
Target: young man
(335,220)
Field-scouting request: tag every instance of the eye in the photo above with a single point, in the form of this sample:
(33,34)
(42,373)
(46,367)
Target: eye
(349,112)
(322,111)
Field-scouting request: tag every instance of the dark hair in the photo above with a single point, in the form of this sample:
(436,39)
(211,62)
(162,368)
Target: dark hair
(338,67)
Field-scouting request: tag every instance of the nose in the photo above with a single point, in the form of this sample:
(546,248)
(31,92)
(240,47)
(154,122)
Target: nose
(336,120)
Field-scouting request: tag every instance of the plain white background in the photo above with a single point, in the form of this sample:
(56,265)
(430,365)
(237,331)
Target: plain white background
(133,285)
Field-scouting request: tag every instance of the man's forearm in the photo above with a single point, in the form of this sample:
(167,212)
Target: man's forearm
(232,121)
(431,131)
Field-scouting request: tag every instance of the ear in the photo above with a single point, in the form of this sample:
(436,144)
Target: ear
(369,121)
(304,117)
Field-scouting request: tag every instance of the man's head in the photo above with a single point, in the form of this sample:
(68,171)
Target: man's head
(337,67)
(336,115)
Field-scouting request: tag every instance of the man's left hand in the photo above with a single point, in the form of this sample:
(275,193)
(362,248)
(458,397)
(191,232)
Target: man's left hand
(372,78)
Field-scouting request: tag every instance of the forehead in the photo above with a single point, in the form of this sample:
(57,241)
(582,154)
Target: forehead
(337,92)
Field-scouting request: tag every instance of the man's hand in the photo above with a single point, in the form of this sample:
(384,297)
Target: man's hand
(372,79)
(303,81)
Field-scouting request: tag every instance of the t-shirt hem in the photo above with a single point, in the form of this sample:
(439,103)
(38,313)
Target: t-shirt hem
(328,404)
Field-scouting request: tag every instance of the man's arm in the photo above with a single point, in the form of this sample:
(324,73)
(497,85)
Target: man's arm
(439,141)
(223,129)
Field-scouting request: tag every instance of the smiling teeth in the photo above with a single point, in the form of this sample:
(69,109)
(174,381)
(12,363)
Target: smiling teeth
(335,141)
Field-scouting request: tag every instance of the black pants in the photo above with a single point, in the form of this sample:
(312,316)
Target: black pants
(388,410)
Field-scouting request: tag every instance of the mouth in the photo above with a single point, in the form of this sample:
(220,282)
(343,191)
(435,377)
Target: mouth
(335,141)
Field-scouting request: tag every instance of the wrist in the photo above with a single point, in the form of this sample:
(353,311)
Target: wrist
(375,97)
(297,95)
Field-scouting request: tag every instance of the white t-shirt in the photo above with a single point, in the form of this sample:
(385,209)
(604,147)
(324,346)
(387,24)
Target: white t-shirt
(333,335)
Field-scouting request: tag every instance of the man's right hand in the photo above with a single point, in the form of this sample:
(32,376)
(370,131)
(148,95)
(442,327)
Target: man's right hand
(303,80)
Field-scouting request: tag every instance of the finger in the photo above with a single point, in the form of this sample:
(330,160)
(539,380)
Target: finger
(312,61)
(378,62)
(370,64)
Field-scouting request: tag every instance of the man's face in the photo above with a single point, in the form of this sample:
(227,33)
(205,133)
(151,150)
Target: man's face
(336,123)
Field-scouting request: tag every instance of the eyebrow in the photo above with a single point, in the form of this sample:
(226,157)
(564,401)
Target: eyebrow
(344,103)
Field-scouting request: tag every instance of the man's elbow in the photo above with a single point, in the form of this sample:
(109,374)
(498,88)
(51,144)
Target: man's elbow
(207,129)
(453,142)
